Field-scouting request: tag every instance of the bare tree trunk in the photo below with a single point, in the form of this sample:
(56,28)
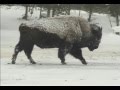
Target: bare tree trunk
(110,21)
(32,10)
(79,12)
(69,8)
(90,15)
(40,12)
(53,12)
(48,12)
(26,12)
(69,12)
(117,19)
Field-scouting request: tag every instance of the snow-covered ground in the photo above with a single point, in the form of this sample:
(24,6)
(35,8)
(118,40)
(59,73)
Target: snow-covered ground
(103,64)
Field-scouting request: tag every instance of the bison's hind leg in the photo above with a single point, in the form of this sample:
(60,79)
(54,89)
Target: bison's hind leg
(28,50)
(17,49)
(27,47)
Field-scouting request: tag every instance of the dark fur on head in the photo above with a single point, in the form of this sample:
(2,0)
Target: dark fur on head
(96,37)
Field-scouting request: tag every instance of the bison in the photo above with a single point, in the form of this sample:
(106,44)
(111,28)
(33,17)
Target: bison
(67,33)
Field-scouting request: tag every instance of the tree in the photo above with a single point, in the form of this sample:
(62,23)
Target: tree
(49,7)
(66,8)
(31,8)
(115,11)
(94,8)
(54,7)
(26,11)
(63,9)
(40,8)
(40,12)
(77,7)
(90,8)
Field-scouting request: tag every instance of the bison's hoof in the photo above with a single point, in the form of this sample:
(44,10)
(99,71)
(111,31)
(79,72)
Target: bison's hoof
(33,62)
(13,62)
(84,63)
(63,63)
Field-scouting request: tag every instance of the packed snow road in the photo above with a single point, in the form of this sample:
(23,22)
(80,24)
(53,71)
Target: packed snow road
(103,65)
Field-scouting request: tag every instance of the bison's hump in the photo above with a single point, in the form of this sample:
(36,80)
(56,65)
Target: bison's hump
(68,27)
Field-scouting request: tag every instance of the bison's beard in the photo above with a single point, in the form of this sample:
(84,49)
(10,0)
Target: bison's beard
(92,47)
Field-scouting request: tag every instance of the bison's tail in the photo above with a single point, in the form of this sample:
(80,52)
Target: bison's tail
(23,28)
(25,36)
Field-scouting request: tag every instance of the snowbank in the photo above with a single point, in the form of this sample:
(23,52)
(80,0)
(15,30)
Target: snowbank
(111,39)
(116,29)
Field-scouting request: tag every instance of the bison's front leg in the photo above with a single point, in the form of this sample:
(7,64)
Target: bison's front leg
(61,55)
(63,51)
(77,53)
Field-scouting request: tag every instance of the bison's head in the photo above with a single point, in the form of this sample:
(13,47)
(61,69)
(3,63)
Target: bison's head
(95,38)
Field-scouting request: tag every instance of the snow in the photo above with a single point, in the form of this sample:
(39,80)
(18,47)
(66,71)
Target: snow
(100,19)
(116,28)
(103,64)
(62,26)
